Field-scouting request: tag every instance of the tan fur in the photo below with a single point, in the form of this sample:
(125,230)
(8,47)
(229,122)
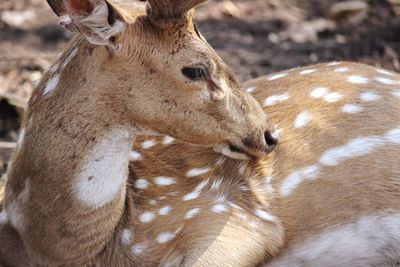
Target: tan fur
(357,187)
(94,93)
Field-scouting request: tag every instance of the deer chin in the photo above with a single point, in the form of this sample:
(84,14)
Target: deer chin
(231,151)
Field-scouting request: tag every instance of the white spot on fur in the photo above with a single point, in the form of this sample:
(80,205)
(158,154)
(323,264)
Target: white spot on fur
(352,108)
(165,237)
(331,64)
(21,137)
(3,217)
(385,72)
(196,192)
(396,93)
(191,213)
(341,70)
(69,58)
(354,148)
(306,72)
(148,144)
(153,202)
(333,97)
(357,79)
(127,236)
(250,89)
(276,99)
(216,184)
(276,76)
(54,69)
(105,168)
(165,210)
(197,172)
(393,136)
(386,81)
(141,183)
(219,208)
(262,214)
(369,96)
(162,198)
(302,119)
(319,92)
(134,155)
(139,248)
(164,181)
(168,140)
(297,177)
(147,217)
(373,240)
(52,84)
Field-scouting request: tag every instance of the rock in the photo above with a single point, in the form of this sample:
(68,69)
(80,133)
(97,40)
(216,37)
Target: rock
(353,12)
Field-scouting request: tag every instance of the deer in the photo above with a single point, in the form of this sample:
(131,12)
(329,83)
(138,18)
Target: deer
(133,68)
(326,196)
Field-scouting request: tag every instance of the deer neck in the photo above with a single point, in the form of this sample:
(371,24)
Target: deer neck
(70,168)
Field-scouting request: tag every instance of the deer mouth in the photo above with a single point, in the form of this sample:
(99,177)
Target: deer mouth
(232,151)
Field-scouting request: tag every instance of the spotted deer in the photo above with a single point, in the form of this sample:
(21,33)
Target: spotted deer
(327,196)
(133,69)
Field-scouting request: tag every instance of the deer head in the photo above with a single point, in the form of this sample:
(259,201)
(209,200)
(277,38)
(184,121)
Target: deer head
(153,66)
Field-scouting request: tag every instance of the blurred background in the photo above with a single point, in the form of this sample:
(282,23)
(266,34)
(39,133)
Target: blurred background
(254,37)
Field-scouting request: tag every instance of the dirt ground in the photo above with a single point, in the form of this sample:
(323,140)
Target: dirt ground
(254,37)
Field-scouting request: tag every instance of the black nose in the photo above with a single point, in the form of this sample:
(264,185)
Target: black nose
(270,140)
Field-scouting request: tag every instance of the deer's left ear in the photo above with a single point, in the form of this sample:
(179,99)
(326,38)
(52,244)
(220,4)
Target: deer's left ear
(96,19)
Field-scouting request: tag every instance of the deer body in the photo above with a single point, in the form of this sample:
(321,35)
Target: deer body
(328,196)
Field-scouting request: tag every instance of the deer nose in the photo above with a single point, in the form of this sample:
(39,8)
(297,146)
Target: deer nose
(271,141)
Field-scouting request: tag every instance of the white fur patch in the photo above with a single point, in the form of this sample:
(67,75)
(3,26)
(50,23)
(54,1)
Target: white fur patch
(396,93)
(369,96)
(319,92)
(297,177)
(105,168)
(276,99)
(3,217)
(127,236)
(134,155)
(153,202)
(354,148)
(196,192)
(216,184)
(250,89)
(306,72)
(141,183)
(385,72)
(357,79)
(352,108)
(302,119)
(197,172)
(386,81)
(276,76)
(219,208)
(165,210)
(191,213)
(372,240)
(51,84)
(262,214)
(335,63)
(139,248)
(168,140)
(21,137)
(164,181)
(69,58)
(341,70)
(147,217)
(333,97)
(165,237)
(148,144)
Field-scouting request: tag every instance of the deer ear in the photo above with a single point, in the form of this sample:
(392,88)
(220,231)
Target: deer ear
(97,20)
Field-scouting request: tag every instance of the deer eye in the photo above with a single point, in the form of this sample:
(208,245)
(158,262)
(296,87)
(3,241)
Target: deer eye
(195,73)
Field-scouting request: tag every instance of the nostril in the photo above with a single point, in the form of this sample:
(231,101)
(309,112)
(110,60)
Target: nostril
(271,140)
